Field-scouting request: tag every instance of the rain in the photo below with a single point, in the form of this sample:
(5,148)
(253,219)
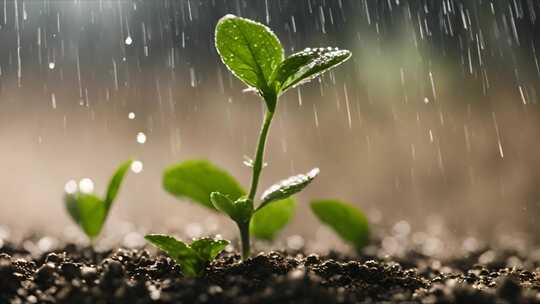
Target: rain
(436,115)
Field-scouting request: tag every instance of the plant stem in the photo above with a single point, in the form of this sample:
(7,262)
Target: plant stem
(257,168)
(244,238)
(259,154)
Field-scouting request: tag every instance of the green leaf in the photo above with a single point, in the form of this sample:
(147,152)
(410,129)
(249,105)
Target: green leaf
(249,49)
(239,211)
(287,187)
(306,65)
(224,204)
(197,179)
(193,258)
(88,211)
(268,222)
(244,209)
(208,249)
(114,184)
(188,259)
(348,222)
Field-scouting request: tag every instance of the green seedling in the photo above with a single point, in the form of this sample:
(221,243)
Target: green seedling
(192,258)
(348,222)
(254,54)
(88,210)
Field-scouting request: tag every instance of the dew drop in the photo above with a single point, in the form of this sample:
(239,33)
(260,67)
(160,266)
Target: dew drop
(248,162)
(128,40)
(52,65)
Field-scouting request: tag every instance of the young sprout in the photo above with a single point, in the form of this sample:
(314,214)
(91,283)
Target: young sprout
(192,258)
(88,210)
(254,54)
(348,222)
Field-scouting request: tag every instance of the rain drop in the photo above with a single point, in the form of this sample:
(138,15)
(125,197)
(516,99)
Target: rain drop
(137,166)
(141,138)
(70,187)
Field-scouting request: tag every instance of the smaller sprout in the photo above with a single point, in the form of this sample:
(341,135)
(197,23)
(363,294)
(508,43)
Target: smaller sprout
(192,258)
(347,221)
(88,210)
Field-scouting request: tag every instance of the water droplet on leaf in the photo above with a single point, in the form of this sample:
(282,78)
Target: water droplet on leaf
(86,185)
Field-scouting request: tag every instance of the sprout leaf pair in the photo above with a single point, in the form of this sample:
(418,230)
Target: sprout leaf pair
(254,54)
(192,258)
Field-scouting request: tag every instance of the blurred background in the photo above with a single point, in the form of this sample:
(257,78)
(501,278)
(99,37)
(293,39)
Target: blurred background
(434,122)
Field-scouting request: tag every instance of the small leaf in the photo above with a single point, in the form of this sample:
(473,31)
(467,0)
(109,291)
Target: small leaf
(208,249)
(287,187)
(348,222)
(88,211)
(223,204)
(239,211)
(197,179)
(181,253)
(291,65)
(306,65)
(268,222)
(249,49)
(244,209)
(114,184)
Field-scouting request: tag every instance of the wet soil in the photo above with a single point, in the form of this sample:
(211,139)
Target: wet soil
(76,274)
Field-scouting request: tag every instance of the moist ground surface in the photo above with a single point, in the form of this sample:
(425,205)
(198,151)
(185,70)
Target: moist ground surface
(74,274)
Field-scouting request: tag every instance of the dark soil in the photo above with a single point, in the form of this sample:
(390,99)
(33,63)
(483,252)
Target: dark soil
(80,275)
